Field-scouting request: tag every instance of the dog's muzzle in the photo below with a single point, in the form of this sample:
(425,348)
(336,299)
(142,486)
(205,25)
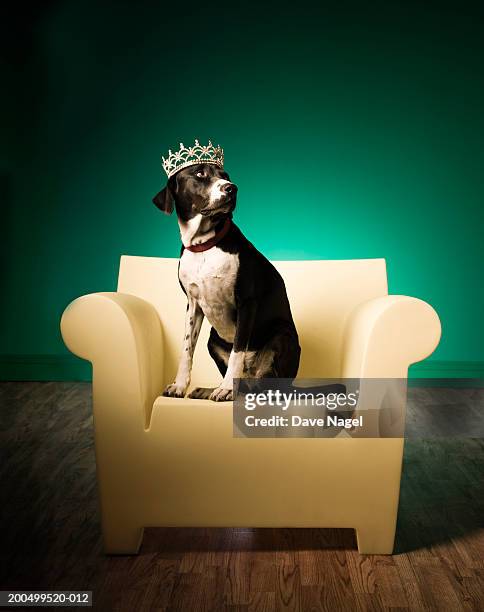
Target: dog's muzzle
(229,189)
(224,207)
(224,201)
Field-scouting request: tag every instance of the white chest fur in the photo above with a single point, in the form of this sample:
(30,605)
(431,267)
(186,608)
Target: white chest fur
(209,277)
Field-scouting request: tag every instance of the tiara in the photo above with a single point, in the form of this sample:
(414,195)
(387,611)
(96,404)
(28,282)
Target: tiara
(188,156)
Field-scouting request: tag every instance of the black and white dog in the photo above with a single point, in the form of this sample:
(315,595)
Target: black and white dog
(227,280)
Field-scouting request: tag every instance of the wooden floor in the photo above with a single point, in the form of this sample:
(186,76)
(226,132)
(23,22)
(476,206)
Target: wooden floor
(51,535)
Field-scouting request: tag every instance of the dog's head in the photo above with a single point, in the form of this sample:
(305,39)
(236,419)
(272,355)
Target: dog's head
(201,189)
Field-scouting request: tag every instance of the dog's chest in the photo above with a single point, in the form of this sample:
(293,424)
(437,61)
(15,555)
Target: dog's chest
(209,277)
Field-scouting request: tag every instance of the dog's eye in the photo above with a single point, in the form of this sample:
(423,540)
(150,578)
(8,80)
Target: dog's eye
(201,174)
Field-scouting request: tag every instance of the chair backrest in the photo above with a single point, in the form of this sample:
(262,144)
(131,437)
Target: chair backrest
(322,294)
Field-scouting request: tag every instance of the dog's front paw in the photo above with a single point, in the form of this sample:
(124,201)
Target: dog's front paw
(174,390)
(222,395)
(200,393)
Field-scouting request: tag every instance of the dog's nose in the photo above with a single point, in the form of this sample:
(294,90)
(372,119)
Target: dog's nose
(229,189)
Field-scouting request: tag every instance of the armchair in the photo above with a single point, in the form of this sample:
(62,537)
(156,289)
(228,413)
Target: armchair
(174,462)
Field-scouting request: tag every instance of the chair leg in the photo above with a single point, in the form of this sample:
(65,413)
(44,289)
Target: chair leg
(376,540)
(122,539)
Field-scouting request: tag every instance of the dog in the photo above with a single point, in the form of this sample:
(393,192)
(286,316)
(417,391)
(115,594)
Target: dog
(228,281)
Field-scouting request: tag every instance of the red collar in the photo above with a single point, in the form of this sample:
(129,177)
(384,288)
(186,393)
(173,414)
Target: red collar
(198,248)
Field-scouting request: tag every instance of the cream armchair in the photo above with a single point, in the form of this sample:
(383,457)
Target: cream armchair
(174,462)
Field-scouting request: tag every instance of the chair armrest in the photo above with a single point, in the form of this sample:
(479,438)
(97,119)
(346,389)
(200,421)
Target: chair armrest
(121,336)
(385,335)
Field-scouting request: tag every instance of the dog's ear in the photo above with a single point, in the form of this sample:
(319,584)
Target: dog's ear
(164,200)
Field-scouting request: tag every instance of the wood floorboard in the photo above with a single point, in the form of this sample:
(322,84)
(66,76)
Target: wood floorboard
(51,538)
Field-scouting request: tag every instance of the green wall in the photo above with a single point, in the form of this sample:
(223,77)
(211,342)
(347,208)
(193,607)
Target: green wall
(353,130)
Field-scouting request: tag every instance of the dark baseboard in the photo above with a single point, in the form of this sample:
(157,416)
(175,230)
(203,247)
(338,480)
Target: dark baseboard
(447,369)
(71,368)
(456,374)
(44,368)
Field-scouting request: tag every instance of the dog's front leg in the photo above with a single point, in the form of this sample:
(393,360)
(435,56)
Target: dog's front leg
(235,369)
(193,322)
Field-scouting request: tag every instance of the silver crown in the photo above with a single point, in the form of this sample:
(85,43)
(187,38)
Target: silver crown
(188,156)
